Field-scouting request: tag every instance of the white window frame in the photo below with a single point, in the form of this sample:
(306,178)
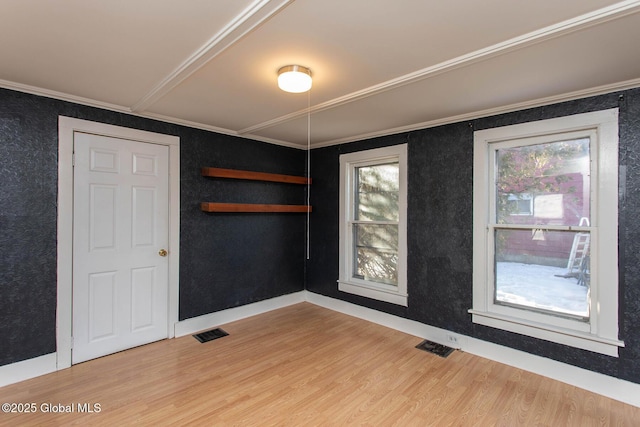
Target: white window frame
(600,333)
(346,281)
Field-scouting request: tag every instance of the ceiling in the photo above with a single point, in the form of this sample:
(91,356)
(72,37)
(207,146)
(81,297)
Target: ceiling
(379,66)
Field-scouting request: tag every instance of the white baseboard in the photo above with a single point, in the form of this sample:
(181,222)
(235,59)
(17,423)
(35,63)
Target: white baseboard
(604,385)
(26,369)
(208,321)
(614,388)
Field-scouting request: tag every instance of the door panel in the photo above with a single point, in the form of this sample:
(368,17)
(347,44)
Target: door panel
(144,208)
(102,217)
(144,164)
(142,297)
(120,283)
(102,296)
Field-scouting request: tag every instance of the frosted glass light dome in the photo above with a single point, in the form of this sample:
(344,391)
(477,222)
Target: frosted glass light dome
(294,78)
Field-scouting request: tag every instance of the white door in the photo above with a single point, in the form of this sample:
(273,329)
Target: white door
(120,233)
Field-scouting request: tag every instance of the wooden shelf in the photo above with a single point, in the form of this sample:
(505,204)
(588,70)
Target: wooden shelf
(255,176)
(249,207)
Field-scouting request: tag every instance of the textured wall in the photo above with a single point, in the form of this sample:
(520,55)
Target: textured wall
(226,259)
(440,226)
(27,239)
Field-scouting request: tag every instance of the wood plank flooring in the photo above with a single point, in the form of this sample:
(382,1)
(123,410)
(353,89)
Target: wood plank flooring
(304,365)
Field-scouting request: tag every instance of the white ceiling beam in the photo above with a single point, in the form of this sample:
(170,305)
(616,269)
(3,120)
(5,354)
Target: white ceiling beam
(251,18)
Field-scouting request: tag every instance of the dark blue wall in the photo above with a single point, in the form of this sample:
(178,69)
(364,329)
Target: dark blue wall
(226,260)
(440,226)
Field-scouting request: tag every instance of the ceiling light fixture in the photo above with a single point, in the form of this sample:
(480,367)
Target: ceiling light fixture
(294,78)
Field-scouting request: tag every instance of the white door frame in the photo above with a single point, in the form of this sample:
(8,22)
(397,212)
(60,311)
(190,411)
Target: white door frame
(66,127)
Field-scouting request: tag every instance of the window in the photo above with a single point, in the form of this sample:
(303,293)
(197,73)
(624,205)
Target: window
(373,231)
(545,230)
(519,204)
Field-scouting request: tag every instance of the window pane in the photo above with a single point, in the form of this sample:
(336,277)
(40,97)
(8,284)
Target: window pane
(520,204)
(543,270)
(376,253)
(544,184)
(377,192)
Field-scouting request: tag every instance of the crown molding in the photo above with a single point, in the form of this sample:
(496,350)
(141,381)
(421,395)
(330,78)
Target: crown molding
(599,90)
(224,131)
(61,96)
(34,90)
(571,96)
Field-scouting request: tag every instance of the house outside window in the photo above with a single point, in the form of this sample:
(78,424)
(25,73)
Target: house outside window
(373,200)
(545,230)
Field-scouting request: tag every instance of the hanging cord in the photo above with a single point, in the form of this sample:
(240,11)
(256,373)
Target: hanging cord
(308,169)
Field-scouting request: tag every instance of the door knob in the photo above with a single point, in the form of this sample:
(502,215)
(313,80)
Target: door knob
(162,252)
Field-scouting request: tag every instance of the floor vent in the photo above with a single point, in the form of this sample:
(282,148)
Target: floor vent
(210,335)
(435,348)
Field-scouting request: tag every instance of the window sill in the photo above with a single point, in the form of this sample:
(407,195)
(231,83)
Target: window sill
(373,292)
(567,337)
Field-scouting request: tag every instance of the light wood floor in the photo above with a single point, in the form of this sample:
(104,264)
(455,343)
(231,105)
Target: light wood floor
(305,365)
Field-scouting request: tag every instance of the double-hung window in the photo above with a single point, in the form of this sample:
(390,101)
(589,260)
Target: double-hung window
(546,230)
(373,231)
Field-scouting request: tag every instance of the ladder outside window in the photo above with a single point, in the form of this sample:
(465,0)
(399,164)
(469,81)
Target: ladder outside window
(578,265)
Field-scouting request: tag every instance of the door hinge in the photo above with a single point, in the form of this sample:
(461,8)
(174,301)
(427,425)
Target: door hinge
(73,160)
(71,342)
